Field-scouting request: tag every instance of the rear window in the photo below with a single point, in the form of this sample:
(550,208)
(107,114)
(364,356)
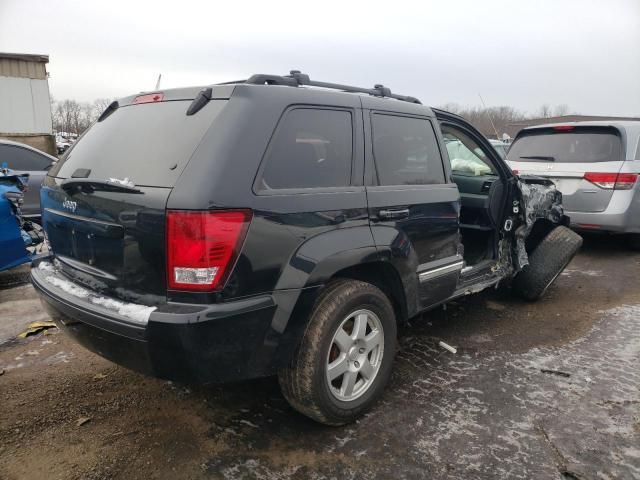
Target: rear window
(148,143)
(312,148)
(582,145)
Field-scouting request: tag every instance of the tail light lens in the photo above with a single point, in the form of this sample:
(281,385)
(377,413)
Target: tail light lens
(149,98)
(612,181)
(202,247)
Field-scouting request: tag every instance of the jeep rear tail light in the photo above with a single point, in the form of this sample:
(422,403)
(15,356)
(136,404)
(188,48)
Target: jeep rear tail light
(202,247)
(612,181)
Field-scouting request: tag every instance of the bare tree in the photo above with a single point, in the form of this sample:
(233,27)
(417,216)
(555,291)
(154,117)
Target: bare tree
(484,119)
(561,110)
(451,107)
(101,104)
(544,111)
(66,115)
(71,116)
(88,115)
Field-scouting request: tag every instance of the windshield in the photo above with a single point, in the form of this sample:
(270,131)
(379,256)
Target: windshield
(581,145)
(150,144)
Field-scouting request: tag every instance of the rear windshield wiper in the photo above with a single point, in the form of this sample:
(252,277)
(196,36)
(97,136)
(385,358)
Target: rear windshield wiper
(540,157)
(90,185)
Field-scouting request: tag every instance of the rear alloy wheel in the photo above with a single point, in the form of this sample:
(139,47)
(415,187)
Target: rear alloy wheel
(355,355)
(345,356)
(547,262)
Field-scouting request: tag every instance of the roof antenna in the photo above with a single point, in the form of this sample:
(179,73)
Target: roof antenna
(158,82)
(488,115)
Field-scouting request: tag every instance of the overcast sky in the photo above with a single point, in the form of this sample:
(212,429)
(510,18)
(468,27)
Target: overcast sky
(583,53)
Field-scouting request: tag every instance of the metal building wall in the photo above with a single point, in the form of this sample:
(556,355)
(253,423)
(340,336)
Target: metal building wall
(25,106)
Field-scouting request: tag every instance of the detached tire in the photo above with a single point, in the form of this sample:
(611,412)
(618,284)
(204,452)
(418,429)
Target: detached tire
(345,356)
(547,261)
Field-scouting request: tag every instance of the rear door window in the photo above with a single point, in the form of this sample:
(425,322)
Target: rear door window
(579,145)
(311,148)
(148,143)
(18,158)
(405,151)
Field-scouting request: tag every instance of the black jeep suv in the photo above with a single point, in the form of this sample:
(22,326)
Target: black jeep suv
(269,226)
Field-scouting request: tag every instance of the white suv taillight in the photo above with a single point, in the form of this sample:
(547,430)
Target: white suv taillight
(612,181)
(202,247)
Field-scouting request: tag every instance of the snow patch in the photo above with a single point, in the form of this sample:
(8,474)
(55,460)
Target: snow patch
(589,273)
(46,267)
(67,286)
(132,311)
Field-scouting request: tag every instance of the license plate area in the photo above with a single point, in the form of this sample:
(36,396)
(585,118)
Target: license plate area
(567,186)
(93,242)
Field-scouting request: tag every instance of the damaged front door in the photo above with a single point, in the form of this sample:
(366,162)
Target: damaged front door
(485,186)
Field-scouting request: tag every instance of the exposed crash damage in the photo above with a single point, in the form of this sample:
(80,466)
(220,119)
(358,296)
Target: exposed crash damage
(541,201)
(535,212)
(535,244)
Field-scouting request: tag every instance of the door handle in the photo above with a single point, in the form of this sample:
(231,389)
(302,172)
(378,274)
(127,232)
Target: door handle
(393,214)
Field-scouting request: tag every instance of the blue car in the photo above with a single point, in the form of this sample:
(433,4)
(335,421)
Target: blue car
(16,233)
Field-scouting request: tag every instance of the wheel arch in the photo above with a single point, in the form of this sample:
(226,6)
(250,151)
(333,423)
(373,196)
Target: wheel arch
(349,253)
(383,276)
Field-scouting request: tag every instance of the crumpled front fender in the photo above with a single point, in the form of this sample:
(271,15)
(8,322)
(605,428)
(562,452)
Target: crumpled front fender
(540,200)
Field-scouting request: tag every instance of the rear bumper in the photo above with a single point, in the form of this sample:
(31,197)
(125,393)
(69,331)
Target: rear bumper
(618,223)
(186,343)
(622,215)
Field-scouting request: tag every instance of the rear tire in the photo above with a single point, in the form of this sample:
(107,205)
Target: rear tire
(334,341)
(546,262)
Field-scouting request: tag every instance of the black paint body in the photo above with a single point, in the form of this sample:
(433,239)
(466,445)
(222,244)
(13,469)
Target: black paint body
(114,243)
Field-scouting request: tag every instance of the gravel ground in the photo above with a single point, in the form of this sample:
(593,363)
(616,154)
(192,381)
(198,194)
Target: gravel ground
(536,390)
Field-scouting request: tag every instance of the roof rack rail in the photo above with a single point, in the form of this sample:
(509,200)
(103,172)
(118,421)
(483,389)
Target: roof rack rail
(298,79)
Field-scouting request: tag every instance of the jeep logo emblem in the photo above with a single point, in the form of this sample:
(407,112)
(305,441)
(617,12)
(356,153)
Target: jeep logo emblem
(70,205)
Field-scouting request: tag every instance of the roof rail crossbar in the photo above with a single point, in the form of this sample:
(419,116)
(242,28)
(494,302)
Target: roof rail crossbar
(265,79)
(296,78)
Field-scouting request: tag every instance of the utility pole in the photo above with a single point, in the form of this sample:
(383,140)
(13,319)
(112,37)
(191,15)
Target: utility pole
(487,112)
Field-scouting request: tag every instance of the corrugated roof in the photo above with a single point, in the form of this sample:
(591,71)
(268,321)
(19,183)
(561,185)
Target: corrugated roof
(23,65)
(26,57)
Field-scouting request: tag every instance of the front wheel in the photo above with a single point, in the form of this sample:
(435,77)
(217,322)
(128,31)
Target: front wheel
(547,261)
(345,356)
